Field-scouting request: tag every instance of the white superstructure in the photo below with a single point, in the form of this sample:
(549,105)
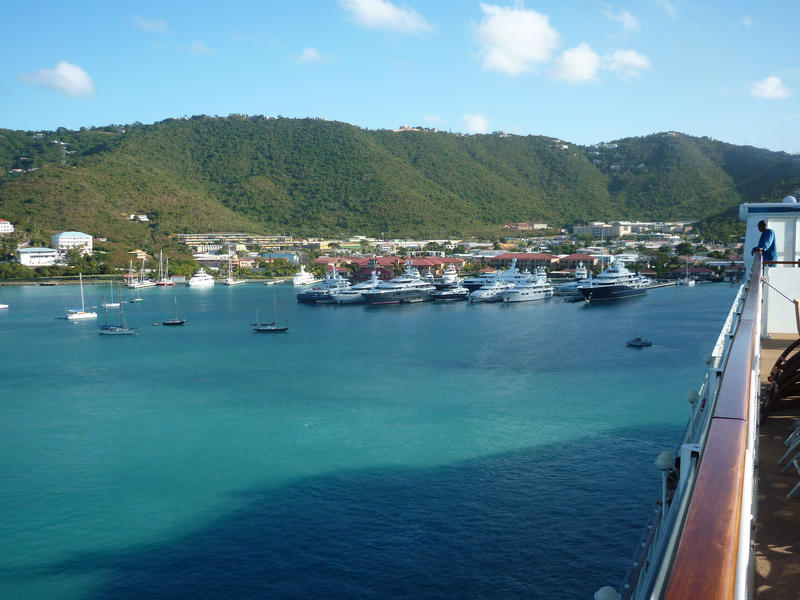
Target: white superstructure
(303,277)
(201,279)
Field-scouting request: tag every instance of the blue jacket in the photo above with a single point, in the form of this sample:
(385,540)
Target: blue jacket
(767,243)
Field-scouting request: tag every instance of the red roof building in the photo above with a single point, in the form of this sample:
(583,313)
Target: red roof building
(525,260)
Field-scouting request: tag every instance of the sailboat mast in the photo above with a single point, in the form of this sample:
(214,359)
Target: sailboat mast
(80,279)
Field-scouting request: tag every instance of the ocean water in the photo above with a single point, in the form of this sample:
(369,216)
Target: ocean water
(409,451)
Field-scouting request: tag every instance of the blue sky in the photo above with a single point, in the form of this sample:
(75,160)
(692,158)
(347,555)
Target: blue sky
(581,70)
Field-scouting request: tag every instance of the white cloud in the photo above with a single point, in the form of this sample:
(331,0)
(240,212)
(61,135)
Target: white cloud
(576,65)
(311,55)
(514,40)
(746,22)
(476,123)
(66,78)
(628,21)
(771,88)
(582,64)
(668,7)
(381,14)
(198,47)
(626,62)
(151,25)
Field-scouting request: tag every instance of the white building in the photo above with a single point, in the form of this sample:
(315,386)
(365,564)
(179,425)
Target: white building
(38,257)
(72,239)
(6,226)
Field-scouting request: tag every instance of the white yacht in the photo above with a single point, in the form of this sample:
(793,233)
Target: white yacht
(201,279)
(615,283)
(303,277)
(323,291)
(571,288)
(538,287)
(408,287)
(451,292)
(511,275)
(491,292)
(354,294)
(449,278)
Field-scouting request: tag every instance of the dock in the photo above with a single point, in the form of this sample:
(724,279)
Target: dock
(777,565)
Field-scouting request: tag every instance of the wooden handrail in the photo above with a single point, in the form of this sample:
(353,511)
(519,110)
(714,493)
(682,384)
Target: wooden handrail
(705,562)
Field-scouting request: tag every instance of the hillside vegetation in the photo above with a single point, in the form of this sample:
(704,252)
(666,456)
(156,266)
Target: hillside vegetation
(314,177)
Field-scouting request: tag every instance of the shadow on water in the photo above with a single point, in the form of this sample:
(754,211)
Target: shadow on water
(553,522)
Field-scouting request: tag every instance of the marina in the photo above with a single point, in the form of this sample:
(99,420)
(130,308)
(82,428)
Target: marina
(345,490)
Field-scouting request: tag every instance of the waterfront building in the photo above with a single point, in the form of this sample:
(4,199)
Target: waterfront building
(67,240)
(38,257)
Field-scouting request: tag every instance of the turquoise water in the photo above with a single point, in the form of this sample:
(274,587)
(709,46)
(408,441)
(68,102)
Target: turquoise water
(408,451)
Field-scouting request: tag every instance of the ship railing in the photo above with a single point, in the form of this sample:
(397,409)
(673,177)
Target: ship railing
(679,551)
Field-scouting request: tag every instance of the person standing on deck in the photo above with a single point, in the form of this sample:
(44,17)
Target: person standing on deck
(766,243)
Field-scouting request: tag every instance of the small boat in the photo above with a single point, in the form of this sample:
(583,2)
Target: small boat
(163,275)
(273,326)
(76,314)
(175,321)
(121,329)
(639,342)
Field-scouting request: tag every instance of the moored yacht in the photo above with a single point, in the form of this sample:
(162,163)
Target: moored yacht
(139,281)
(511,275)
(408,287)
(303,277)
(571,288)
(354,294)
(491,292)
(323,291)
(537,287)
(614,283)
(452,292)
(201,279)
(449,278)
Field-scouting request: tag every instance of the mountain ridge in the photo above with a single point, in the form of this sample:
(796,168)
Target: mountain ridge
(308,177)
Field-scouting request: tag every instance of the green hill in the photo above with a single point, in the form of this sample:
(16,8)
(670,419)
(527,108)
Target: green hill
(315,177)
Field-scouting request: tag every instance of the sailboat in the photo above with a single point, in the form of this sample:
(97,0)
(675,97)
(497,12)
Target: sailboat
(111,303)
(230,280)
(174,321)
(272,327)
(163,274)
(686,280)
(138,296)
(77,314)
(121,329)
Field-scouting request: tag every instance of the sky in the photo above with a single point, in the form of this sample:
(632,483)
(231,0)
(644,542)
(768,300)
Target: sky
(584,71)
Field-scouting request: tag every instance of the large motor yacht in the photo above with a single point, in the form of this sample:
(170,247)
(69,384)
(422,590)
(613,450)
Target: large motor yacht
(201,279)
(323,291)
(408,287)
(303,277)
(615,283)
(537,287)
(492,291)
(354,294)
(571,288)
(511,275)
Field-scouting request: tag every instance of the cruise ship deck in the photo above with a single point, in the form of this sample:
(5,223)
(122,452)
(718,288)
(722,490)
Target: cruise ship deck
(777,565)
